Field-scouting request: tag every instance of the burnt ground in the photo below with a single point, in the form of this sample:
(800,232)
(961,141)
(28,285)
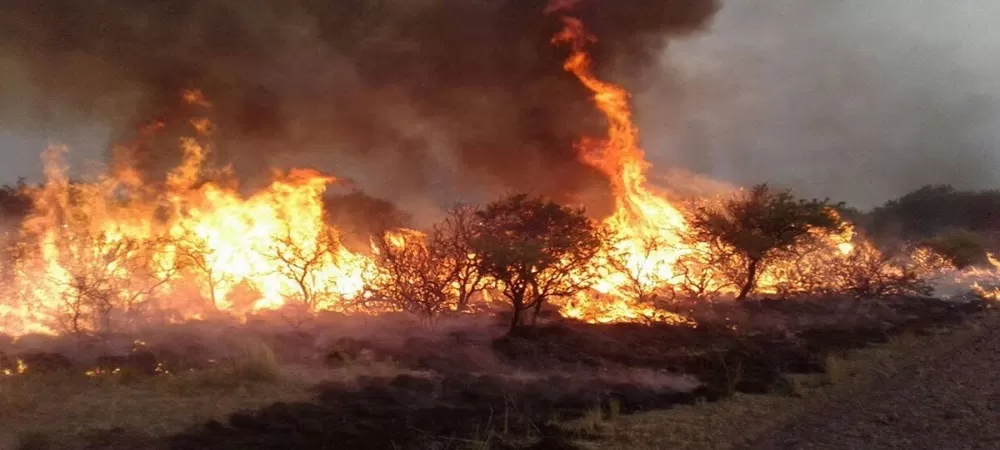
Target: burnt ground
(471,385)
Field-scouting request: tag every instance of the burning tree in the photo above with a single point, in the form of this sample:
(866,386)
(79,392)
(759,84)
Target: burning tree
(760,226)
(536,249)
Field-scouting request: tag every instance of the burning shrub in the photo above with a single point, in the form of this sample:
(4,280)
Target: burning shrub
(537,249)
(866,272)
(452,239)
(300,262)
(427,275)
(760,226)
(706,270)
(409,274)
(643,275)
(107,277)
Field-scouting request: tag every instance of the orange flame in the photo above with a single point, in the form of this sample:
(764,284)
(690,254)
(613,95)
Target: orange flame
(654,258)
(641,215)
(102,254)
(108,250)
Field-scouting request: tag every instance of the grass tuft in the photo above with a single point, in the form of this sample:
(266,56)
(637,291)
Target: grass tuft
(255,361)
(838,369)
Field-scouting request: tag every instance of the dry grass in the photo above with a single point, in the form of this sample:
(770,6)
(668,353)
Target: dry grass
(62,406)
(742,418)
(51,410)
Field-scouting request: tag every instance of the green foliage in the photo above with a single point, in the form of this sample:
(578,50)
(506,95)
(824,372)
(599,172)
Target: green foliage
(536,249)
(962,248)
(933,209)
(758,225)
(15,203)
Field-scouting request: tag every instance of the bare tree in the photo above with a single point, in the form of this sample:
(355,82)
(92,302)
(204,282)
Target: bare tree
(106,276)
(643,264)
(302,262)
(194,254)
(411,275)
(537,249)
(451,242)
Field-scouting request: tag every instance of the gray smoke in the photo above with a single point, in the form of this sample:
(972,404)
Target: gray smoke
(857,100)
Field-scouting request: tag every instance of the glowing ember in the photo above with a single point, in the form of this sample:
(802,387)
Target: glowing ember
(19,370)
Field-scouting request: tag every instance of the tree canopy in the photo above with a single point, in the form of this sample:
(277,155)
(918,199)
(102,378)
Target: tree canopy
(536,249)
(758,224)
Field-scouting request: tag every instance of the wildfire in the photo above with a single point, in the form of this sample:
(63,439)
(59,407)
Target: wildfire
(108,250)
(19,369)
(641,217)
(99,255)
(986,281)
(653,258)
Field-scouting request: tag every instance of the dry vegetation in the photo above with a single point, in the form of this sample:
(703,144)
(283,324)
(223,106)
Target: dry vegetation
(104,410)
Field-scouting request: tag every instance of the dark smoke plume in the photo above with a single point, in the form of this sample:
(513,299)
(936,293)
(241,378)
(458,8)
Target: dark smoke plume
(410,86)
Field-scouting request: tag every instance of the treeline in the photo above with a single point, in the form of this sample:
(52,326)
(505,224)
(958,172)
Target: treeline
(962,225)
(529,250)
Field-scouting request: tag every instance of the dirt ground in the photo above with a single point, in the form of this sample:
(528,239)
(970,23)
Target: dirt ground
(935,390)
(950,401)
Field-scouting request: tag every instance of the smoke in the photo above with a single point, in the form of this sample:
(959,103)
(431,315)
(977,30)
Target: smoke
(857,100)
(424,96)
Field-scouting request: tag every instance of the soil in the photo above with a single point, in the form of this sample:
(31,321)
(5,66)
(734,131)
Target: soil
(949,402)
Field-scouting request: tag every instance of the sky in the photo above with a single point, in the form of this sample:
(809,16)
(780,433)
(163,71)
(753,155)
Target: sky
(855,100)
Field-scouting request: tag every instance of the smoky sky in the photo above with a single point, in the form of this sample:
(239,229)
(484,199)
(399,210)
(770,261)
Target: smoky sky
(857,100)
(415,93)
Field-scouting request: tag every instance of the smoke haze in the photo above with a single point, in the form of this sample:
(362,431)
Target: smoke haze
(427,101)
(467,91)
(857,100)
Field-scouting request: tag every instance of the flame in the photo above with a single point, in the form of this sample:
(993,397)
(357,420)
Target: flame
(110,249)
(20,369)
(985,281)
(655,260)
(641,216)
(104,253)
